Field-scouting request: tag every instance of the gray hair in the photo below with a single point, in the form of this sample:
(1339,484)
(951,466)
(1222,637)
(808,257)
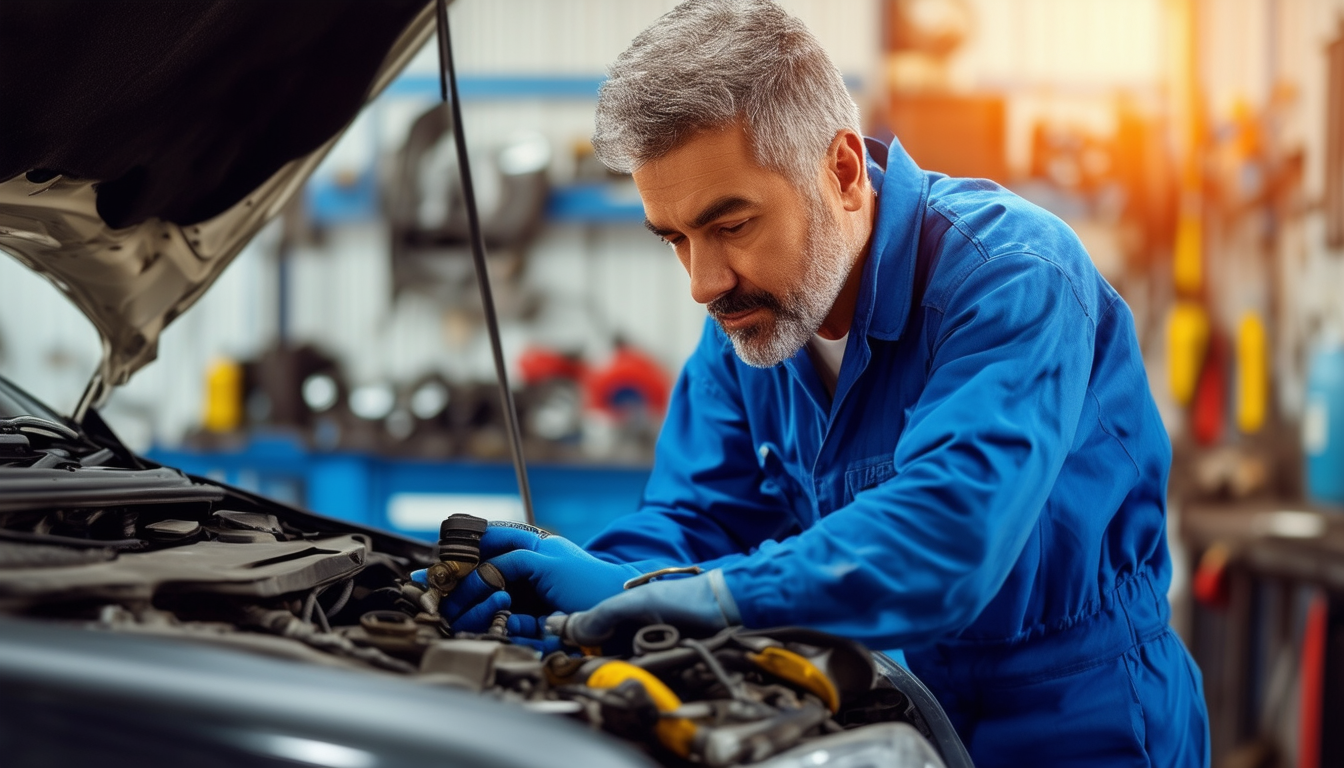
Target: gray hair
(708,63)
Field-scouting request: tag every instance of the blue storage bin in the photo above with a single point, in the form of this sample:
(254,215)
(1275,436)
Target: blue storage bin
(1323,427)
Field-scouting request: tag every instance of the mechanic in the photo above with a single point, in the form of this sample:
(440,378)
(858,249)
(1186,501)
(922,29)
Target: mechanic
(917,416)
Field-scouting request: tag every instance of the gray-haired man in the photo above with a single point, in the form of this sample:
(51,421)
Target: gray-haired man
(917,416)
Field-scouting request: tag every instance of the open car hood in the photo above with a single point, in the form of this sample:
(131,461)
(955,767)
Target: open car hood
(142,145)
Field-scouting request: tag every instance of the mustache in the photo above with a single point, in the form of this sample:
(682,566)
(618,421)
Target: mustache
(743,301)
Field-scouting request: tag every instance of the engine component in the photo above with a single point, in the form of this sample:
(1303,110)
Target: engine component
(475,663)
(207,567)
(459,554)
(172,530)
(247,527)
(675,733)
(459,551)
(395,633)
(286,624)
(240,577)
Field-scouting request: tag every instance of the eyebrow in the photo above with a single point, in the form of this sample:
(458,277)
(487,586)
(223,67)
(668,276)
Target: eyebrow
(719,208)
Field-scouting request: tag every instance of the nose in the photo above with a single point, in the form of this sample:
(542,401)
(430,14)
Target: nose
(711,276)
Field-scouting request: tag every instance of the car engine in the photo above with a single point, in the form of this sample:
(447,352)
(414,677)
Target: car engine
(90,539)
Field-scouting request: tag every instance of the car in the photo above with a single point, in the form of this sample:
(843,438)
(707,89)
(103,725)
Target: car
(152,617)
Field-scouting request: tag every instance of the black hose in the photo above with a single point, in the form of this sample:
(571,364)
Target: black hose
(321,617)
(312,608)
(309,603)
(716,669)
(40,426)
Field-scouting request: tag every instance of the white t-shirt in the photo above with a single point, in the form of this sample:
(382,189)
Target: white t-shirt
(826,358)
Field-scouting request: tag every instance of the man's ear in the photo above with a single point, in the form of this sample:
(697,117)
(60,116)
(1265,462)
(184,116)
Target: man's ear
(846,162)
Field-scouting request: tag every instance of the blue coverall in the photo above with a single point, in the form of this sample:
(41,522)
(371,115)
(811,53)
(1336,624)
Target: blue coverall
(986,489)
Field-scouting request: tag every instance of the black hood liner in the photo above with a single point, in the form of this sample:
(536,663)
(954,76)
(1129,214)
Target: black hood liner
(181,109)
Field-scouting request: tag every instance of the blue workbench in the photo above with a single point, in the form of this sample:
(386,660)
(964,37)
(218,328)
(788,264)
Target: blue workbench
(411,496)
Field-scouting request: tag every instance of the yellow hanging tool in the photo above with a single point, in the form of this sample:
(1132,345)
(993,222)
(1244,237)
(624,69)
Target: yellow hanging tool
(1252,373)
(1187,342)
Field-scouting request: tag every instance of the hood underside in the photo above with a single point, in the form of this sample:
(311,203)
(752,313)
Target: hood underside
(143,144)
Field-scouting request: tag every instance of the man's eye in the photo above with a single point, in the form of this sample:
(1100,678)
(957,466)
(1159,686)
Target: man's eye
(734,229)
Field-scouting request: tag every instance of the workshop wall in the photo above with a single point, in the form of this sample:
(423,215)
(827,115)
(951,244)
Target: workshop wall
(1263,63)
(1187,142)
(1047,96)
(528,66)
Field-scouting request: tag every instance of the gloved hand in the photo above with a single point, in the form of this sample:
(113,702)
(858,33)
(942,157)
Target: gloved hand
(472,618)
(531,632)
(696,605)
(553,570)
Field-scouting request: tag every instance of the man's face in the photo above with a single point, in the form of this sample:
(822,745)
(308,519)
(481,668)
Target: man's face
(766,257)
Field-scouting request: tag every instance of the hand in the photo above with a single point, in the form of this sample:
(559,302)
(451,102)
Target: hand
(696,605)
(476,617)
(553,571)
(531,632)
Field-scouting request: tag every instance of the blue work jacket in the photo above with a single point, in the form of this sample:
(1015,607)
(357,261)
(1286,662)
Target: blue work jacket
(989,477)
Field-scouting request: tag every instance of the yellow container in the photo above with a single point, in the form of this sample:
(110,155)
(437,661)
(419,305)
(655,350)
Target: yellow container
(222,410)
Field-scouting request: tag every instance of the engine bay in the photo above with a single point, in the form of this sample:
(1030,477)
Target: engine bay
(149,551)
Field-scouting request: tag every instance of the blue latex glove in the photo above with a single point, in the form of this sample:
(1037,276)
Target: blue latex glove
(556,570)
(698,605)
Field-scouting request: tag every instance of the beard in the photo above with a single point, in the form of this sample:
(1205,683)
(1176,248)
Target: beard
(797,315)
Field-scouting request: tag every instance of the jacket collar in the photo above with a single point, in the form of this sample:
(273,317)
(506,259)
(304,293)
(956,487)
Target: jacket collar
(887,288)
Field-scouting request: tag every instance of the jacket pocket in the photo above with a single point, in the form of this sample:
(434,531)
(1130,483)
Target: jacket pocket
(866,473)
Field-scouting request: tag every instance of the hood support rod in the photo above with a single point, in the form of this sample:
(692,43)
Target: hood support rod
(447,87)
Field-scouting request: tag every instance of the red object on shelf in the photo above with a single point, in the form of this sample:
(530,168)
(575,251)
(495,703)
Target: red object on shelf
(1209,409)
(630,373)
(538,365)
(1209,584)
(630,377)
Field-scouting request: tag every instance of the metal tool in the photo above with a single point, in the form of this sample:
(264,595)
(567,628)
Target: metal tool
(689,570)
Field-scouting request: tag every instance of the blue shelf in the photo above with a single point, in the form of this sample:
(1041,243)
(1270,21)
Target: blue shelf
(331,203)
(594,202)
(479,87)
(411,496)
